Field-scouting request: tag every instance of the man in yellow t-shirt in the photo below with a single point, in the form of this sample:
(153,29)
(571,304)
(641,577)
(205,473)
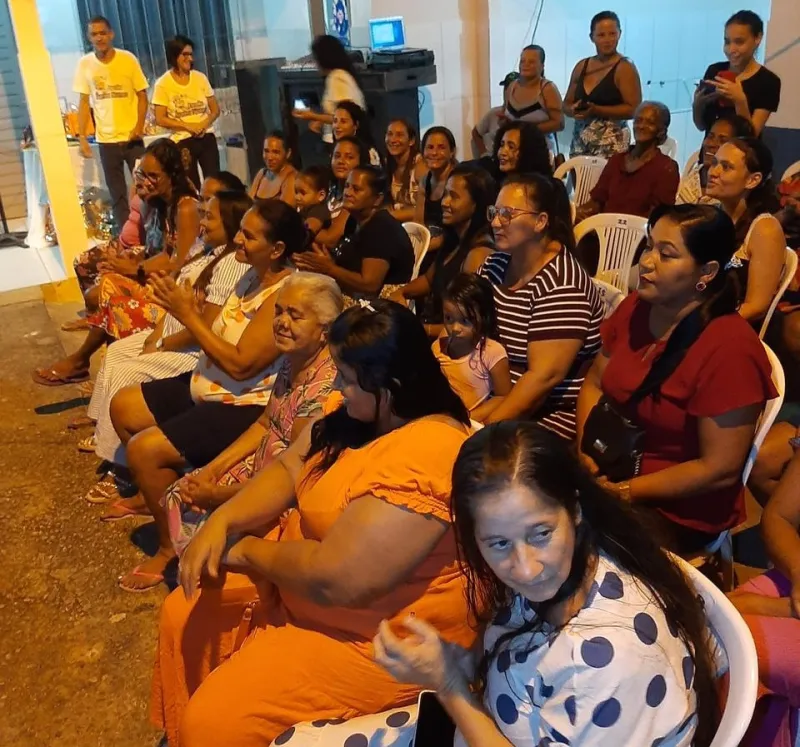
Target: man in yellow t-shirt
(112,85)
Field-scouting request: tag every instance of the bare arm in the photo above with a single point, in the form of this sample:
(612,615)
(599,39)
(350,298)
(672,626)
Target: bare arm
(184,338)
(759,120)
(780,523)
(724,444)
(548,364)
(501,378)
(84,115)
(475,259)
(331,236)
(419,287)
(372,547)
(213,111)
(187,229)
(141,112)
(554,107)
(767,255)
(569,99)
(627,78)
(163,120)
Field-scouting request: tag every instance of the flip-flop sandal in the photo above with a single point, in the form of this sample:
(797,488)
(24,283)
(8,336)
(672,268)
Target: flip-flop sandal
(87,445)
(126,512)
(104,490)
(76,325)
(84,421)
(56,379)
(87,388)
(154,579)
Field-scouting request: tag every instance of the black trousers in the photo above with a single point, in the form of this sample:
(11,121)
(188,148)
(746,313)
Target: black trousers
(113,158)
(203,151)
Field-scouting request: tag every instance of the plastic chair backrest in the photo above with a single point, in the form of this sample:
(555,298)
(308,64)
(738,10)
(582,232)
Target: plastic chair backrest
(610,295)
(619,236)
(670,148)
(690,163)
(770,413)
(787,275)
(587,171)
(420,239)
(791,171)
(737,642)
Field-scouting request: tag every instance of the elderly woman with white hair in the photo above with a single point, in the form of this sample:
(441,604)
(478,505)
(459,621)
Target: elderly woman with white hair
(637,181)
(305,307)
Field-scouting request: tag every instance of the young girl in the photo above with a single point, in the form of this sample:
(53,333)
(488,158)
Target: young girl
(475,365)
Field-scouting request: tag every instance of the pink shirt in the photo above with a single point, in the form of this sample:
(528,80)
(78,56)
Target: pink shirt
(132,233)
(469,376)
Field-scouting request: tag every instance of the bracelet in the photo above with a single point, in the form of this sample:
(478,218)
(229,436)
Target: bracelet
(625,491)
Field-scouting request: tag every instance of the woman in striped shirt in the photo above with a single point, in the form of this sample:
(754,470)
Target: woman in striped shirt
(548,309)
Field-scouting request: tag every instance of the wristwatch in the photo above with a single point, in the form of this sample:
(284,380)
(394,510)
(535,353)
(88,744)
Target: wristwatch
(160,343)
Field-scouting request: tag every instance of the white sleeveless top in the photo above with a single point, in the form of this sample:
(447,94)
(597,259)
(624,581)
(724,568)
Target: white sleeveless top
(744,253)
(209,382)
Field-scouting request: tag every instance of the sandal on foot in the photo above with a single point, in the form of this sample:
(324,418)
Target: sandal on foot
(51,377)
(123,512)
(153,580)
(84,421)
(87,445)
(103,491)
(80,324)
(86,389)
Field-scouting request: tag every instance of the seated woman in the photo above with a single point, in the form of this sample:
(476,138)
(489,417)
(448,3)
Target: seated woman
(548,309)
(365,534)
(306,306)
(770,605)
(348,153)
(740,180)
(635,182)
(350,120)
(467,242)
(375,255)
(439,159)
(276,179)
(124,303)
(403,160)
(568,586)
(666,363)
(692,189)
(519,148)
(170,349)
(169,425)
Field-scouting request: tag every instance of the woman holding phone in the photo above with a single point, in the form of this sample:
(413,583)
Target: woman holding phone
(741,84)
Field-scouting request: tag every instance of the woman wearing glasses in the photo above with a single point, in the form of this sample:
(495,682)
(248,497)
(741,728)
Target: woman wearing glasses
(548,309)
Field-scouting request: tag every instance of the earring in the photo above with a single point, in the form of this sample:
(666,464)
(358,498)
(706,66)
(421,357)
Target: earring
(700,287)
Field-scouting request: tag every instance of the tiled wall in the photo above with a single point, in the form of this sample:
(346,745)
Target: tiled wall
(670,43)
(270,28)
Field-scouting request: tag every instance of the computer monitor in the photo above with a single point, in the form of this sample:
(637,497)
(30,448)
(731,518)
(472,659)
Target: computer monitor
(387,33)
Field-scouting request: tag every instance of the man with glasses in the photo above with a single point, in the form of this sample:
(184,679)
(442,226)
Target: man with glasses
(112,85)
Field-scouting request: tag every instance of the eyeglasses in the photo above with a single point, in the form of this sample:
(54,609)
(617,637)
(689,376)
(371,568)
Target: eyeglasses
(506,214)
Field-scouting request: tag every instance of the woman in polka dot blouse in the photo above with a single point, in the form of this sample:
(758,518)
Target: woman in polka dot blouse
(592,627)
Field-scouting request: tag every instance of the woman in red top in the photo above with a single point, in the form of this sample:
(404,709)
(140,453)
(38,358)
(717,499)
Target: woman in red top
(637,181)
(681,328)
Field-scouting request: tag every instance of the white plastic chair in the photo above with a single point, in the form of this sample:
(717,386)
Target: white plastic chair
(690,163)
(587,171)
(420,239)
(787,275)
(619,236)
(670,148)
(722,546)
(610,295)
(737,642)
(791,171)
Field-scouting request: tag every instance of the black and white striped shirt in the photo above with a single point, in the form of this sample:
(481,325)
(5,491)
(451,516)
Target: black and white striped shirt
(560,303)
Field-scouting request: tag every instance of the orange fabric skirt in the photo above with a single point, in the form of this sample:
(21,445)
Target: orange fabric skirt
(205,695)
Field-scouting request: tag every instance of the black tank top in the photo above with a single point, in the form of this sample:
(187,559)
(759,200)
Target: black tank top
(433,208)
(605,93)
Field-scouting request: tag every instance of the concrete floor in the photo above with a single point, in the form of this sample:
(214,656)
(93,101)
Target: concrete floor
(75,652)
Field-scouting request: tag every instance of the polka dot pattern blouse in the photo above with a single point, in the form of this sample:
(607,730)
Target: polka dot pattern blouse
(617,674)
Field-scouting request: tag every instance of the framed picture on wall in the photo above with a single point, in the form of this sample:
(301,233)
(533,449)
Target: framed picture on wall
(337,20)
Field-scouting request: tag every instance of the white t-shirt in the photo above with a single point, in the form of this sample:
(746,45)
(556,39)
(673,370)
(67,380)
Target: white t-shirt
(339,86)
(185,102)
(111,88)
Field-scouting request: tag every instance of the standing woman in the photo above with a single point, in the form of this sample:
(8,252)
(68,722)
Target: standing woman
(276,179)
(741,83)
(533,98)
(341,84)
(439,155)
(350,120)
(402,159)
(604,92)
(184,103)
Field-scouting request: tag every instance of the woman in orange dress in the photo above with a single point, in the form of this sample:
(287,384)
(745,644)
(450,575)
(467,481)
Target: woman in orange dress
(363,500)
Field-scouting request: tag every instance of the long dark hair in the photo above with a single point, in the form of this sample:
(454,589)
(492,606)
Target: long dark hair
(482,190)
(361,121)
(404,195)
(709,236)
(168,155)
(233,204)
(521,453)
(764,198)
(337,185)
(534,155)
(388,349)
(329,54)
(283,224)
(474,295)
(548,195)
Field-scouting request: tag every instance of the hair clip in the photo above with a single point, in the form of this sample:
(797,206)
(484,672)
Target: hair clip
(365,304)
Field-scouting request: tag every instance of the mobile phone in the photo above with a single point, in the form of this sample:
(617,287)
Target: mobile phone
(435,728)
(300,104)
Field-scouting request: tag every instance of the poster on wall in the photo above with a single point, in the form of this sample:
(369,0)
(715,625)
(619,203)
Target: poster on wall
(337,19)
